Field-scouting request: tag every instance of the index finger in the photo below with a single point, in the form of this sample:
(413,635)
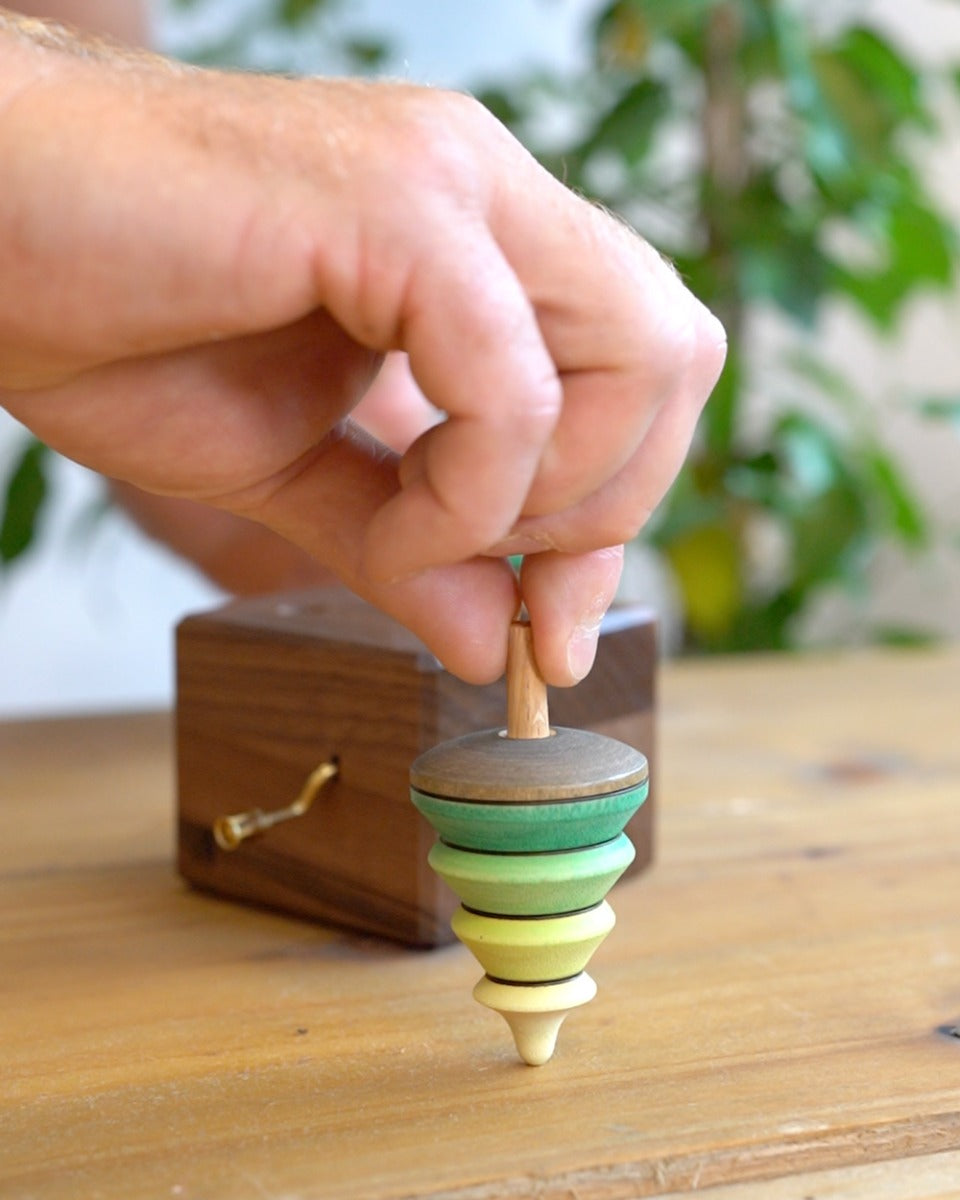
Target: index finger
(476,351)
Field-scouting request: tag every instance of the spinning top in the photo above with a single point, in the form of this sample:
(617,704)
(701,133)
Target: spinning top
(530,822)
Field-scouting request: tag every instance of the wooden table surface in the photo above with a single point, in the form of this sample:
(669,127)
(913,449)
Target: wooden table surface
(776,1010)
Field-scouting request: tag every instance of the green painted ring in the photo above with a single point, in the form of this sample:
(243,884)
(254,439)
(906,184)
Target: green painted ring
(533,884)
(521,828)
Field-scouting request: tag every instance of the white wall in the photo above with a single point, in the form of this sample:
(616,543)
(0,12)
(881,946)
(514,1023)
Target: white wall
(86,621)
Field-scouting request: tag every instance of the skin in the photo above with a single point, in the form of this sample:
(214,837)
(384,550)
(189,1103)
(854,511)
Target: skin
(124,20)
(204,275)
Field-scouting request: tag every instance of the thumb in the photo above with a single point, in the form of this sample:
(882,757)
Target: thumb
(567,596)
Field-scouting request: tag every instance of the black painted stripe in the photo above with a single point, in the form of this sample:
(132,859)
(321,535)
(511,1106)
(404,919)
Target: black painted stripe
(506,802)
(531,983)
(528,853)
(479,912)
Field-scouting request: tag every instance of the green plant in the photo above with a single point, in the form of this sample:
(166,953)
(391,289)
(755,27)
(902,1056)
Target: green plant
(768,147)
(769,150)
(282,36)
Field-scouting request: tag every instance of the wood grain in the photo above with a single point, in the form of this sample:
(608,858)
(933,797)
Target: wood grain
(528,714)
(774,1011)
(571,763)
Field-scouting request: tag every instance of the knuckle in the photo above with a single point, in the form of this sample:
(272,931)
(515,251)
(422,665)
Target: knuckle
(445,133)
(709,350)
(670,350)
(539,415)
(526,416)
(691,347)
(621,526)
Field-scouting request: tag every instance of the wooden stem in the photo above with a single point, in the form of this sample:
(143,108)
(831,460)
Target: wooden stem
(527,713)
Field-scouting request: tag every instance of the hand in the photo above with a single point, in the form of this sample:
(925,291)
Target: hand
(200,275)
(245,557)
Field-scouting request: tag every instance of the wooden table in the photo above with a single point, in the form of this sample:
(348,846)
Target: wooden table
(777,1006)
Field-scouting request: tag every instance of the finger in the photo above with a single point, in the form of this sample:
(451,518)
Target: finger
(461,612)
(609,412)
(394,410)
(566,597)
(476,352)
(615,513)
(622,329)
(208,422)
(246,426)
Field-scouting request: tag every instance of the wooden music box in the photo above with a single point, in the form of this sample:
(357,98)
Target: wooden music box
(298,718)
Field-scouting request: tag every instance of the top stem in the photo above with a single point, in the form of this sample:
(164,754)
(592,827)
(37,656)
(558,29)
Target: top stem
(527,712)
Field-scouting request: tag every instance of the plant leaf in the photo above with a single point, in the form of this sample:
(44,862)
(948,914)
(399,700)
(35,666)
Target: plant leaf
(941,408)
(24,499)
(904,511)
(706,565)
(295,12)
(628,126)
(826,378)
(827,536)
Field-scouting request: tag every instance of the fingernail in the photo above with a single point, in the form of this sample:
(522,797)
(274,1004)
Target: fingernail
(582,650)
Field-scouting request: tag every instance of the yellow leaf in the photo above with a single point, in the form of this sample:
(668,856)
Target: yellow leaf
(706,563)
(626,38)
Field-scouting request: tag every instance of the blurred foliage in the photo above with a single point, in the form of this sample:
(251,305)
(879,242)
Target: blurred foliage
(285,36)
(769,147)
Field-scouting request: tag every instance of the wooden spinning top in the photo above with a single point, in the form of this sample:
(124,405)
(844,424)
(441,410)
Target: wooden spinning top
(530,822)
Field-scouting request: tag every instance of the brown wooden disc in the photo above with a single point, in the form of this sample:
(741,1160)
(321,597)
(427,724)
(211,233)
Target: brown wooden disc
(567,765)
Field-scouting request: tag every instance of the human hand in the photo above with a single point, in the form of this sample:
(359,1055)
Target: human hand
(245,557)
(201,273)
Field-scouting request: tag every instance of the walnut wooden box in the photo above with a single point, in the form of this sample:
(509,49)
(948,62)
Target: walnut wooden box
(269,688)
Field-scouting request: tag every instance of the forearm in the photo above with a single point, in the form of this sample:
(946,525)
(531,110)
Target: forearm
(235,554)
(124,20)
(102,176)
